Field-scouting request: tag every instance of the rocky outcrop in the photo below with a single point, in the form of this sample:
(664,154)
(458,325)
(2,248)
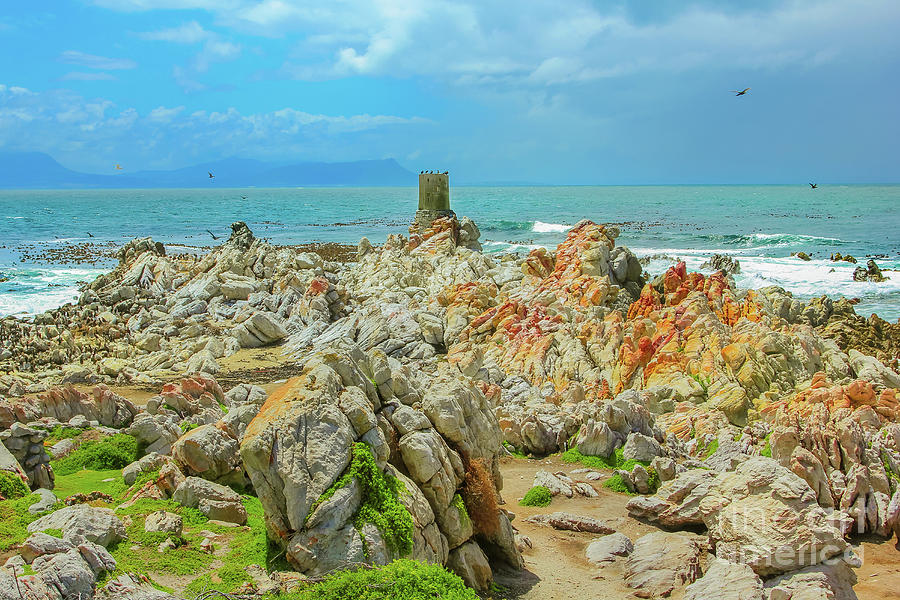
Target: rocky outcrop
(761,515)
(662,562)
(298,449)
(26,445)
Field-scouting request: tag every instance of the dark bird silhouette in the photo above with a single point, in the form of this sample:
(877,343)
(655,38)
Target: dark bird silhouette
(446,172)
(90,234)
(740,92)
(421,172)
(214,236)
(210,175)
(813,185)
(243,197)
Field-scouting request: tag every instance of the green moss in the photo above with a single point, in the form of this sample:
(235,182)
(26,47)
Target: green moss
(14,520)
(616,484)
(12,486)
(711,449)
(54,532)
(767,449)
(380,505)
(114,452)
(460,508)
(61,432)
(187,426)
(616,461)
(537,496)
(399,580)
(87,481)
(516,453)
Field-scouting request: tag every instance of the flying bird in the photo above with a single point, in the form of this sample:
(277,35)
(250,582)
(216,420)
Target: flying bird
(243,197)
(813,185)
(740,92)
(90,234)
(214,236)
(210,175)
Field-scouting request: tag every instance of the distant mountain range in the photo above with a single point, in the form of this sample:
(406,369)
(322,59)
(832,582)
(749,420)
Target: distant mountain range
(36,170)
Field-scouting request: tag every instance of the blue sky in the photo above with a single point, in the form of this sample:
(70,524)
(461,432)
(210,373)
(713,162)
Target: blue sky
(538,91)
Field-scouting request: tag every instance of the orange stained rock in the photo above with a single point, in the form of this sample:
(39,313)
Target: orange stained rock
(317,287)
(538,263)
(442,229)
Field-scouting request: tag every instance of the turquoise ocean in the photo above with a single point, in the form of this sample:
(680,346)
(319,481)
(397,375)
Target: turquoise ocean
(759,225)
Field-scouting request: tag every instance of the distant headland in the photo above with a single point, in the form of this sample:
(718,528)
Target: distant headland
(35,170)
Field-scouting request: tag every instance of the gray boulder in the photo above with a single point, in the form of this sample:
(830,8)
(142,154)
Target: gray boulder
(98,525)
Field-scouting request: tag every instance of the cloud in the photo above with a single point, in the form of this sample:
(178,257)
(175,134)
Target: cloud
(81,76)
(87,133)
(93,61)
(188,33)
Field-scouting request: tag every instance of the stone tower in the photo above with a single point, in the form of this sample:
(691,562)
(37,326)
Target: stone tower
(434,199)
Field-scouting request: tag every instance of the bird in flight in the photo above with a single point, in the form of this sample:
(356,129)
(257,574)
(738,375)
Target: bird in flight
(813,185)
(210,175)
(740,92)
(243,197)
(90,234)
(214,236)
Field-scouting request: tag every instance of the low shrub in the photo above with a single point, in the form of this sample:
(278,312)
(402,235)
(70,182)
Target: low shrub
(537,496)
(12,486)
(114,452)
(399,580)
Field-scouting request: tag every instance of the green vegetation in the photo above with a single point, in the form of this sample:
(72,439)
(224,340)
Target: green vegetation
(767,449)
(537,496)
(703,381)
(54,532)
(114,452)
(14,520)
(61,432)
(616,484)
(616,461)
(12,486)
(380,505)
(516,453)
(87,481)
(711,449)
(187,426)
(460,508)
(399,580)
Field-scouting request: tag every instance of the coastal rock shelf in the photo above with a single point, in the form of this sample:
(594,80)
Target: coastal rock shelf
(762,432)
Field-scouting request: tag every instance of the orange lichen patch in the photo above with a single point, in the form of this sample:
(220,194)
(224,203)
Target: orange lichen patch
(474,295)
(317,287)
(646,304)
(688,421)
(275,404)
(856,395)
(194,387)
(443,231)
(538,263)
(575,278)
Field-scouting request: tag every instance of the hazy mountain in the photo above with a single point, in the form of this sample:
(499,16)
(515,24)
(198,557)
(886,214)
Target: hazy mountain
(37,170)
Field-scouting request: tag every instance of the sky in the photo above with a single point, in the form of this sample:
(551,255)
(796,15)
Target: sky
(576,92)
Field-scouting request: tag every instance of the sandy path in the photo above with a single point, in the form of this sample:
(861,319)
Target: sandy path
(557,569)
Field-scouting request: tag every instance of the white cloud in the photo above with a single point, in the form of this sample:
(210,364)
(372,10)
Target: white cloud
(189,33)
(82,76)
(85,132)
(92,61)
(162,114)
